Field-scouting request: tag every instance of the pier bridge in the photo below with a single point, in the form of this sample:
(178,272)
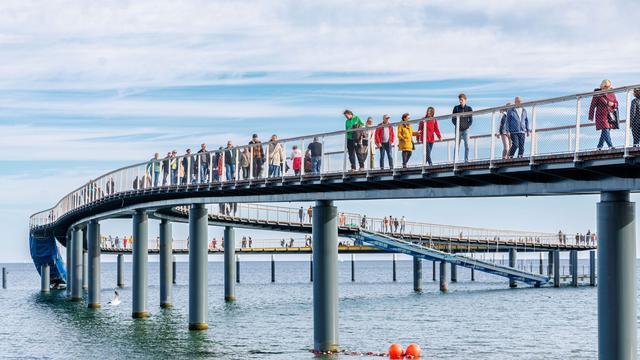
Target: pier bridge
(559,157)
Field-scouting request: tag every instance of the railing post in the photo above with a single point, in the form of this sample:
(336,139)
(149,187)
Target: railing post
(303,159)
(268,162)
(577,146)
(237,168)
(322,159)
(475,148)
(627,135)
(570,143)
(456,146)
(424,144)
(251,164)
(534,140)
(449,151)
(344,162)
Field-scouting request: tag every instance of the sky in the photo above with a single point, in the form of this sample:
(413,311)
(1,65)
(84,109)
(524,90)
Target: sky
(87,87)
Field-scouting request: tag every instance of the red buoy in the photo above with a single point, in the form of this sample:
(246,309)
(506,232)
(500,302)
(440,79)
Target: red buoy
(396,351)
(413,351)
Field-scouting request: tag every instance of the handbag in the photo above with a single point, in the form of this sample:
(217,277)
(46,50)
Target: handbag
(613,117)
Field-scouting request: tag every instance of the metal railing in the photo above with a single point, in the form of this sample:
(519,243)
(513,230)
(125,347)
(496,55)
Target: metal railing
(556,126)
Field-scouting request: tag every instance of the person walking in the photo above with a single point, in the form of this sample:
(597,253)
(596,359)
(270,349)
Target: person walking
(296,160)
(385,224)
(351,123)
(310,214)
(166,165)
(403,224)
(154,167)
(465,123)
(405,136)
(503,133)
(362,147)
(314,151)
(276,156)
(635,117)
(245,160)
(174,168)
(258,155)
(384,138)
(187,169)
(301,214)
(518,126)
(431,125)
(230,161)
(603,110)
(203,163)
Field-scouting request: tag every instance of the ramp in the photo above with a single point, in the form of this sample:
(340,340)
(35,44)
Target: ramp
(392,244)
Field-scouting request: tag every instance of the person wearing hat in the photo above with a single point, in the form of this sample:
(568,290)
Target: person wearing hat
(230,161)
(384,138)
(174,167)
(258,155)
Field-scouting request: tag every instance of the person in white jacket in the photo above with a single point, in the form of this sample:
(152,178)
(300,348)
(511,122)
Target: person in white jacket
(276,156)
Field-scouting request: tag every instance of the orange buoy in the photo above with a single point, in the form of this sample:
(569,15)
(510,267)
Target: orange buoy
(395,351)
(413,351)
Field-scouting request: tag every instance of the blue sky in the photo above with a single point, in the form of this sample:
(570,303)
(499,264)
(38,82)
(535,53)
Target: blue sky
(87,87)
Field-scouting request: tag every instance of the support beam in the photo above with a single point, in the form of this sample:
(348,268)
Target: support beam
(93,262)
(454,273)
(353,267)
(45,279)
(592,268)
(198,259)
(444,285)
(174,270)
(325,284)
(85,269)
(311,268)
(238,269)
(574,268)
(541,270)
(512,263)
(166,264)
(76,264)
(617,320)
(273,268)
(417,274)
(120,276)
(556,268)
(433,270)
(473,274)
(549,263)
(229,263)
(4,277)
(395,257)
(140,259)
(68,262)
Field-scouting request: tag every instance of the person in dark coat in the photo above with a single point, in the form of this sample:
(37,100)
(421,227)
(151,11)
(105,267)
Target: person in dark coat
(635,117)
(601,106)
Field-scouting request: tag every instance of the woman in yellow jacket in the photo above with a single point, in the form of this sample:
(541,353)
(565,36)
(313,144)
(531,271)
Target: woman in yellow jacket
(405,139)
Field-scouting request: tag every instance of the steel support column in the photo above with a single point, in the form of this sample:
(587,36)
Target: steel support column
(69,262)
(617,320)
(45,279)
(353,267)
(574,268)
(120,271)
(556,268)
(325,284)
(166,264)
(592,268)
(76,264)
(85,268)
(454,273)
(140,259)
(549,263)
(229,263)
(433,270)
(417,274)
(394,267)
(93,257)
(512,263)
(198,253)
(444,285)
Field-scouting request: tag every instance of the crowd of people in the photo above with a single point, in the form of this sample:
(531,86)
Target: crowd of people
(588,238)
(117,242)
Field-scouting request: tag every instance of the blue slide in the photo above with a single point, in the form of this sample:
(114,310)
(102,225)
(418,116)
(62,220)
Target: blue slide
(44,251)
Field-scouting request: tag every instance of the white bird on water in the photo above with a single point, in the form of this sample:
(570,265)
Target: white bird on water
(116,299)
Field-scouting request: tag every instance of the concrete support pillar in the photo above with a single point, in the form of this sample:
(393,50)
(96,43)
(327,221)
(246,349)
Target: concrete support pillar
(574,268)
(325,284)
(395,257)
(198,259)
(541,270)
(174,270)
(353,267)
(473,274)
(512,263)
(311,268)
(76,264)
(617,324)
(45,279)
(4,277)
(229,263)
(454,273)
(68,262)
(549,263)
(120,271)
(444,285)
(417,274)
(140,259)
(166,264)
(556,268)
(238,269)
(433,270)
(93,257)
(85,268)
(273,268)
(592,268)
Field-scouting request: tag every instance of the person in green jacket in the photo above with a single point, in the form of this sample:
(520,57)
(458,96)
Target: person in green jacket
(154,167)
(352,121)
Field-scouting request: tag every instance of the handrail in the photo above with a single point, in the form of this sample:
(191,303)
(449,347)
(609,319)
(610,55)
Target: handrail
(92,191)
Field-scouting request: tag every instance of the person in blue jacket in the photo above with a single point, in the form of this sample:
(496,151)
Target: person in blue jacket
(518,125)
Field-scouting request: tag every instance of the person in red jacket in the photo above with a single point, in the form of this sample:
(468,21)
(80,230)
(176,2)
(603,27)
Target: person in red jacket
(432,131)
(601,106)
(384,138)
